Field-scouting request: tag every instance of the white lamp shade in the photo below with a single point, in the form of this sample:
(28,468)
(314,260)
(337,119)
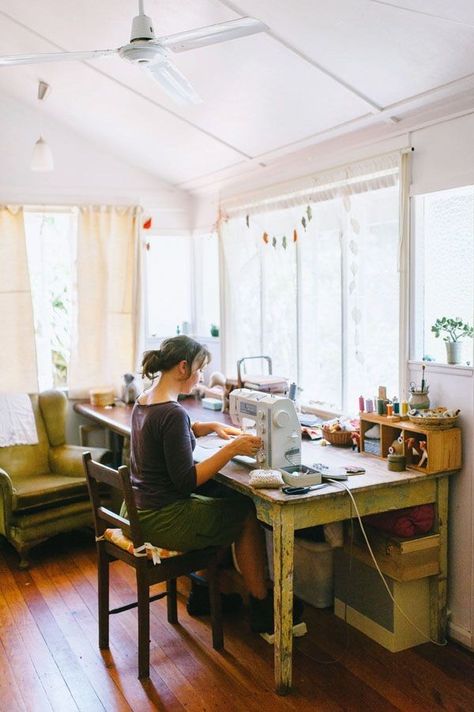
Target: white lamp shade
(42,158)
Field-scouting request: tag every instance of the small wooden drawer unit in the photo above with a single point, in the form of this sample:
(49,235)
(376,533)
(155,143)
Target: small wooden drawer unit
(426,450)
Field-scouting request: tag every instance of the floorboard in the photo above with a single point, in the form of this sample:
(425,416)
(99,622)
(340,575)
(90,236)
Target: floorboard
(50,660)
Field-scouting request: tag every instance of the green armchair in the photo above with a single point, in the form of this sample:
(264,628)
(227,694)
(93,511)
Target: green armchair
(43,489)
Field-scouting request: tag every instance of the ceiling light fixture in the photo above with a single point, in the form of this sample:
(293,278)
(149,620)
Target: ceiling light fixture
(42,158)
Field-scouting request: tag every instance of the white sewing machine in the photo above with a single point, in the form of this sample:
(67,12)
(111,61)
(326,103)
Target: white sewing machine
(276,423)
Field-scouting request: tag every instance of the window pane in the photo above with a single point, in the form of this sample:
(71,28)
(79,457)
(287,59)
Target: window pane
(372,296)
(168,285)
(50,239)
(321,305)
(206,260)
(444,239)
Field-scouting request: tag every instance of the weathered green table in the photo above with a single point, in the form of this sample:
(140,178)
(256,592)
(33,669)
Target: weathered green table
(379,490)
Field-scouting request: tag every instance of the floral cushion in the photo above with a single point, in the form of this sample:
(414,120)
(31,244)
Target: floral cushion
(117,537)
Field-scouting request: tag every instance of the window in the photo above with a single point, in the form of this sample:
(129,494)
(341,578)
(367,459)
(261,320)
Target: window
(444,265)
(181,286)
(168,292)
(325,306)
(51,240)
(206,283)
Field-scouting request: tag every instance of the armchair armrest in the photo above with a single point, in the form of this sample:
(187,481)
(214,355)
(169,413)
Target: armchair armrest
(66,460)
(6,492)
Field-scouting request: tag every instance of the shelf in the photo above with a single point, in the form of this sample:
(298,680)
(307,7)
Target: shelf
(443,446)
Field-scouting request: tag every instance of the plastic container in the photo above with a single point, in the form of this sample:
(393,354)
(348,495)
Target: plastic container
(313,572)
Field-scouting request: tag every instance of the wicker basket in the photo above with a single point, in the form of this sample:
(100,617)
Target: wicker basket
(339,438)
(102,396)
(433,423)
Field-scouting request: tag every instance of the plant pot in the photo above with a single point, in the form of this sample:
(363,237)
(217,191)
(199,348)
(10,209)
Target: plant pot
(454,351)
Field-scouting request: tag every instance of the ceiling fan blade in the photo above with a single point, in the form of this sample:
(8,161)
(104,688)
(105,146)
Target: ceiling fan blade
(54,57)
(203,36)
(173,82)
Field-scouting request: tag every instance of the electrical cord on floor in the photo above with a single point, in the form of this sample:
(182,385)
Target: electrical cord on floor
(410,621)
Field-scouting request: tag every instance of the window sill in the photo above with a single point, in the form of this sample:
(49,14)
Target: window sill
(446,368)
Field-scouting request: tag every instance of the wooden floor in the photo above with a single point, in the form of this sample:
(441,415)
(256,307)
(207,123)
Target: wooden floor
(49,657)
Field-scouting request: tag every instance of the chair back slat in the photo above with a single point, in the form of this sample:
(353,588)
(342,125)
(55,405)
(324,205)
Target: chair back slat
(115,519)
(97,473)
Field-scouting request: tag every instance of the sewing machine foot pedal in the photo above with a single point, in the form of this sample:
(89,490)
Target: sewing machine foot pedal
(299,630)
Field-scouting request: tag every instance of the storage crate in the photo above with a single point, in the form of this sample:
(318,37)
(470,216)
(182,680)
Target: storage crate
(362,600)
(313,580)
(401,559)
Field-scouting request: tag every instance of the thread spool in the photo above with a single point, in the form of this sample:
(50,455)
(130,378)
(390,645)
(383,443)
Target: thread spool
(381,406)
(389,409)
(369,405)
(404,408)
(396,407)
(361,404)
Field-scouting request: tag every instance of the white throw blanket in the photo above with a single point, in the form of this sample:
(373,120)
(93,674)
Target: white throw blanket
(17,420)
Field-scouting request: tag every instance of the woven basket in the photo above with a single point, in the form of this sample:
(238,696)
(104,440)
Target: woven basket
(102,396)
(339,438)
(433,423)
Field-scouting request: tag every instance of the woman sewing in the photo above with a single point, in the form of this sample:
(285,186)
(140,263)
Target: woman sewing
(164,476)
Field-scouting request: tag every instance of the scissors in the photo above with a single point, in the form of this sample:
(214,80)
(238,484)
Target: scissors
(302,490)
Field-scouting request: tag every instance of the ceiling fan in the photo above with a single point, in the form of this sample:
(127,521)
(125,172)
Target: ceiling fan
(152,53)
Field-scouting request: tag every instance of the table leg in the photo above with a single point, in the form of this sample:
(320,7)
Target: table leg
(283,554)
(116,445)
(438,584)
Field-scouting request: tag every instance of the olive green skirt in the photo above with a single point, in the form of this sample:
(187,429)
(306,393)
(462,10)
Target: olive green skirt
(194,523)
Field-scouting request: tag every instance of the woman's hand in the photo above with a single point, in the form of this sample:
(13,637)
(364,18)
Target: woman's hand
(246,445)
(226,431)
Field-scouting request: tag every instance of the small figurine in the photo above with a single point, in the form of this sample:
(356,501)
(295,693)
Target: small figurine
(424,454)
(396,447)
(129,388)
(355,437)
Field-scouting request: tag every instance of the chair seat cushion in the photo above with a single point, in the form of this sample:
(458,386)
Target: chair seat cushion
(117,537)
(46,489)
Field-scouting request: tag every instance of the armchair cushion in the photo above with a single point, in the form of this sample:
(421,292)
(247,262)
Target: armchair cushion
(46,489)
(67,459)
(53,406)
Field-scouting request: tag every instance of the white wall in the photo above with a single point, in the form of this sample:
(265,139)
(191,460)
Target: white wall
(83,173)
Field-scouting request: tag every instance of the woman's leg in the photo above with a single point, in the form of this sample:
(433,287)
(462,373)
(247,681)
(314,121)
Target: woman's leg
(251,556)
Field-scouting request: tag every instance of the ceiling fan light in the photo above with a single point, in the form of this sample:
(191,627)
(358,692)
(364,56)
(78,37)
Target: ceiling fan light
(42,157)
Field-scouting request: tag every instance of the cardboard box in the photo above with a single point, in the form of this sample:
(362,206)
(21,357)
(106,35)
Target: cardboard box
(362,599)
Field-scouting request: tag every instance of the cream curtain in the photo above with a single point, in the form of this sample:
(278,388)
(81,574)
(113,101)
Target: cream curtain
(18,350)
(104,329)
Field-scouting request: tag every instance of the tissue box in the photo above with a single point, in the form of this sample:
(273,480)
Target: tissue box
(211,403)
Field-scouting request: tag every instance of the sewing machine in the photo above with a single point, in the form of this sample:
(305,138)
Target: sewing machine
(276,423)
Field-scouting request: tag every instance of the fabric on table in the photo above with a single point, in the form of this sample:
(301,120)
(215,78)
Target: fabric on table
(404,522)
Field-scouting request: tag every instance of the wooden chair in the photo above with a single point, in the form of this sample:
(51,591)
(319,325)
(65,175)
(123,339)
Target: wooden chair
(147,573)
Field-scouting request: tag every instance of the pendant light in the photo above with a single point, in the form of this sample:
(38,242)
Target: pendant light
(42,158)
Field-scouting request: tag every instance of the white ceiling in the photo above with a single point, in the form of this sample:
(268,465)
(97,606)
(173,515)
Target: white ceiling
(324,65)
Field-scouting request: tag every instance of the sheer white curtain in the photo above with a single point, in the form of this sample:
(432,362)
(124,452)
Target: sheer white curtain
(313,281)
(105,325)
(18,351)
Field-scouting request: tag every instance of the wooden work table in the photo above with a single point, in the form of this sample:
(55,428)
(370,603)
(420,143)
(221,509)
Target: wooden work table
(378,490)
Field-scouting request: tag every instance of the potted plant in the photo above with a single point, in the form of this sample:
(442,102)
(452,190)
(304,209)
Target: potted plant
(453,331)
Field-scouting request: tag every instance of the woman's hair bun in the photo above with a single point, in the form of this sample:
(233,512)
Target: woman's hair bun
(151,363)
(172,351)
